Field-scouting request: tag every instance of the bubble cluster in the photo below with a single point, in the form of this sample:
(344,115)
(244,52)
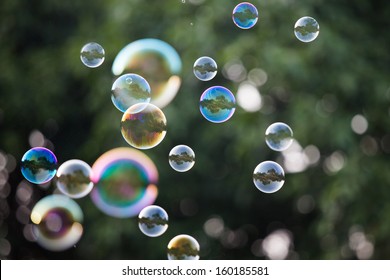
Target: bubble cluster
(153,221)
(92,55)
(268,177)
(39,165)
(245,15)
(181,158)
(279,136)
(205,68)
(183,247)
(217,104)
(306,29)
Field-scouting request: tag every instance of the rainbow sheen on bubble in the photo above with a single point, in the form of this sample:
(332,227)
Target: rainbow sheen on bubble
(125,182)
(153,221)
(181,158)
(92,55)
(57,222)
(268,177)
(156,61)
(143,126)
(279,136)
(39,165)
(73,178)
(205,68)
(306,29)
(245,15)
(183,247)
(217,104)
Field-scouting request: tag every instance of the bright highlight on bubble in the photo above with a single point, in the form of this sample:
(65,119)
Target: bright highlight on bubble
(217,104)
(181,158)
(245,15)
(183,247)
(39,165)
(279,136)
(73,178)
(268,177)
(306,29)
(205,68)
(57,222)
(92,55)
(153,221)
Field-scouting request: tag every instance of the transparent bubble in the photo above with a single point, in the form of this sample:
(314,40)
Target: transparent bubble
(153,221)
(217,104)
(73,178)
(279,136)
(57,222)
(125,182)
(156,61)
(143,126)
(181,158)
(92,55)
(306,29)
(268,177)
(205,68)
(245,15)
(39,165)
(183,247)
(130,89)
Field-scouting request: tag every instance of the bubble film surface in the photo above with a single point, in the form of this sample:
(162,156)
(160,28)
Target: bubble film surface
(183,247)
(245,15)
(39,165)
(92,55)
(279,136)
(181,158)
(153,221)
(306,29)
(268,177)
(217,104)
(205,68)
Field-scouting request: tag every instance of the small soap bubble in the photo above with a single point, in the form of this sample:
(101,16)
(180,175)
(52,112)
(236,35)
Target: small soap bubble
(181,158)
(306,29)
(268,177)
(205,68)
(217,104)
(153,221)
(39,165)
(183,247)
(279,136)
(245,15)
(92,55)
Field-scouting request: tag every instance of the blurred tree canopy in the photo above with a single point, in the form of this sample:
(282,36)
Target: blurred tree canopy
(336,207)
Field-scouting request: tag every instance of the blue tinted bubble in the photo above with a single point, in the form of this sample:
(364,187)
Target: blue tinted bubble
(306,29)
(92,55)
(268,177)
(153,221)
(205,68)
(245,15)
(181,158)
(217,104)
(183,247)
(279,136)
(39,165)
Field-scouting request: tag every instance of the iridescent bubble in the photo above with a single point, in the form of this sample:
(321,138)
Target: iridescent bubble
(73,178)
(306,29)
(181,158)
(205,68)
(217,104)
(153,221)
(92,55)
(279,136)
(143,126)
(268,177)
(39,165)
(245,15)
(130,89)
(125,182)
(57,222)
(156,61)
(183,247)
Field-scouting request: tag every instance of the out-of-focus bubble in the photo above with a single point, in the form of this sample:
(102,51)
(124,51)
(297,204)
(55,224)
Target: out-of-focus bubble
(24,193)
(217,104)
(181,158)
(92,55)
(130,89)
(268,177)
(278,136)
(245,15)
(143,126)
(214,227)
(125,182)
(39,165)
(248,97)
(359,124)
(57,222)
(205,68)
(235,71)
(183,247)
(3,161)
(36,139)
(73,178)
(276,246)
(153,221)
(257,76)
(306,29)
(5,247)
(156,61)
(334,163)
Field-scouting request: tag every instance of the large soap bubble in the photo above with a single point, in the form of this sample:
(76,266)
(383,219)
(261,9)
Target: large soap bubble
(183,247)
(153,221)
(39,165)
(268,177)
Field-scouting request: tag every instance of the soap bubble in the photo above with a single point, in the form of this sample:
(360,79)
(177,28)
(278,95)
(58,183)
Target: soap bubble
(268,177)
(39,165)
(181,158)
(306,29)
(130,89)
(183,247)
(73,178)
(57,222)
(125,182)
(217,104)
(143,126)
(245,15)
(279,136)
(92,55)
(153,221)
(156,61)
(205,68)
